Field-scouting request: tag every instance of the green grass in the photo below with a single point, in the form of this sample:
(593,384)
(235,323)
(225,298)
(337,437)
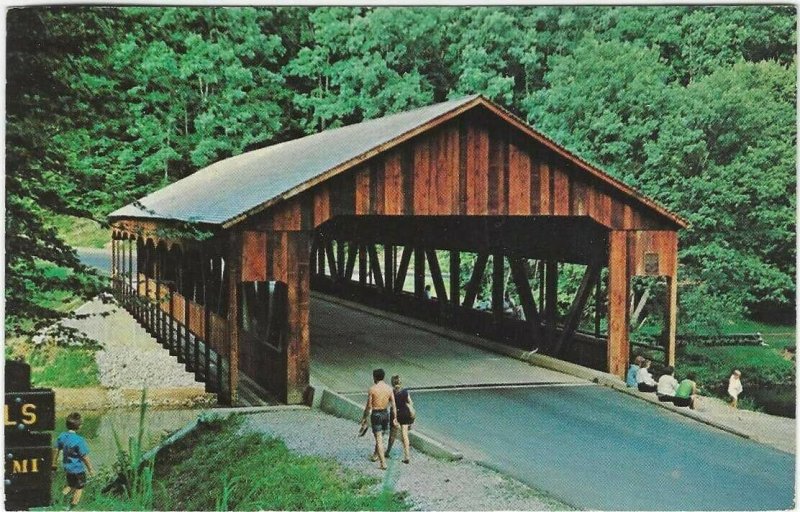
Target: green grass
(54,366)
(220,467)
(763,369)
(776,335)
(63,367)
(80,232)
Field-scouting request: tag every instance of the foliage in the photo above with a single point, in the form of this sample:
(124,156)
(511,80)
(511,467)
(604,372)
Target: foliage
(55,366)
(219,467)
(762,366)
(693,105)
(80,232)
(135,473)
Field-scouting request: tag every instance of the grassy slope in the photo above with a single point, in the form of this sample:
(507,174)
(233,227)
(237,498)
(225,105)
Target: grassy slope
(80,232)
(218,467)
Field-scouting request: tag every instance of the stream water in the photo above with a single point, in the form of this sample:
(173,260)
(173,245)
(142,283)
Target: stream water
(777,400)
(99,427)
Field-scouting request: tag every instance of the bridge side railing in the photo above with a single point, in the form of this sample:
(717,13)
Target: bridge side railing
(194,335)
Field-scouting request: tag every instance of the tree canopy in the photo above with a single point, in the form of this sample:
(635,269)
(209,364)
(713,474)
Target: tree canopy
(694,106)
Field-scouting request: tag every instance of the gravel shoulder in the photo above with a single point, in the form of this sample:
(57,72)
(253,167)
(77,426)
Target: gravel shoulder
(430,484)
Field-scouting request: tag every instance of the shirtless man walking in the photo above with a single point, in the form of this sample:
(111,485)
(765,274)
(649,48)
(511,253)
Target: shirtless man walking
(379,398)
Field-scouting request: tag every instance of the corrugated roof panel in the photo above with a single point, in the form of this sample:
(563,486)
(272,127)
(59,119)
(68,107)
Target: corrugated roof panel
(236,185)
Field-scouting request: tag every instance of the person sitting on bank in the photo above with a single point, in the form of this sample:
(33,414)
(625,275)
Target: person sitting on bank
(644,380)
(686,394)
(633,371)
(667,385)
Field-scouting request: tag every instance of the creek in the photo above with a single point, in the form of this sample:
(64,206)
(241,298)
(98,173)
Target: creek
(777,400)
(98,429)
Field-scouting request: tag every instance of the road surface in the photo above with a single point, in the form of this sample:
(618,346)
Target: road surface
(96,258)
(589,446)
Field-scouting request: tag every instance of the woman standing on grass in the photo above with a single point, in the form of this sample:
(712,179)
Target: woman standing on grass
(405,417)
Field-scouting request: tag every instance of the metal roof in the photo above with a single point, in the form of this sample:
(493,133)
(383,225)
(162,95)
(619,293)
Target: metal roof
(228,188)
(232,189)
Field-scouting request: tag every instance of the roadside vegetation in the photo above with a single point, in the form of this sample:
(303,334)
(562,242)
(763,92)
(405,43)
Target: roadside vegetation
(80,232)
(59,357)
(219,467)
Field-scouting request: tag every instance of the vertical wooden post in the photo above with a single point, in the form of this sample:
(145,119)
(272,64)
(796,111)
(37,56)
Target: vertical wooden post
(672,315)
(130,265)
(455,277)
(362,264)
(550,300)
(540,266)
(206,318)
(618,344)
(124,271)
(146,298)
(598,304)
(498,286)
(190,358)
(234,263)
(159,324)
(340,258)
(388,267)
(114,270)
(172,342)
(419,272)
(298,348)
(321,255)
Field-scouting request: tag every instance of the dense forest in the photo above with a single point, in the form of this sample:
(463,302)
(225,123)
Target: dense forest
(693,106)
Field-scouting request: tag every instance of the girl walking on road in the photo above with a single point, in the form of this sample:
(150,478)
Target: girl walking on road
(405,417)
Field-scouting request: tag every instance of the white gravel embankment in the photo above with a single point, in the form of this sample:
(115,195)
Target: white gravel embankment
(130,359)
(431,484)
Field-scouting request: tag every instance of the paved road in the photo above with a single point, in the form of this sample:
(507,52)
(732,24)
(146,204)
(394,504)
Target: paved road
(97,258)
(595,448)
(591,447)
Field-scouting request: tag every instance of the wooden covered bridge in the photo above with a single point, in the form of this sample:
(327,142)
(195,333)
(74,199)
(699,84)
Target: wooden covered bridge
(220,265)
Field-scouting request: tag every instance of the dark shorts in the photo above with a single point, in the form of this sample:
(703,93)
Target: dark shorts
(404,418)
(380,420)
(682,402)
(76,480)
(664,398)
(647,388)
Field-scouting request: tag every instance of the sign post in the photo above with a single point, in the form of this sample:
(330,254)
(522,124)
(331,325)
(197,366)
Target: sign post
(29,417)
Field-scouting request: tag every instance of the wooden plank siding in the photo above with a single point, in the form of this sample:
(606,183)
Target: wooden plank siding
(466,168)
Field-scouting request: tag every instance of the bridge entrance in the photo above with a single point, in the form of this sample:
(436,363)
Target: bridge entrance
(495,277)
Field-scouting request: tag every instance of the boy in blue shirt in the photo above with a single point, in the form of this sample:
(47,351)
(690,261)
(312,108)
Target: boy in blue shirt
(76,460)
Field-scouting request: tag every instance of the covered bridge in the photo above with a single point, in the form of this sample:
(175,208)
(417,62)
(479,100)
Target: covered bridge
(225,259)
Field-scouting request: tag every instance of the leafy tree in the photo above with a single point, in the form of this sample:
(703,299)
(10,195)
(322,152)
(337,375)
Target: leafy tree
(362,63)
(38,109)
(695,106)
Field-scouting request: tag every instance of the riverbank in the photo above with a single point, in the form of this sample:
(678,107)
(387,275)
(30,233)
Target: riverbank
(128,361)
